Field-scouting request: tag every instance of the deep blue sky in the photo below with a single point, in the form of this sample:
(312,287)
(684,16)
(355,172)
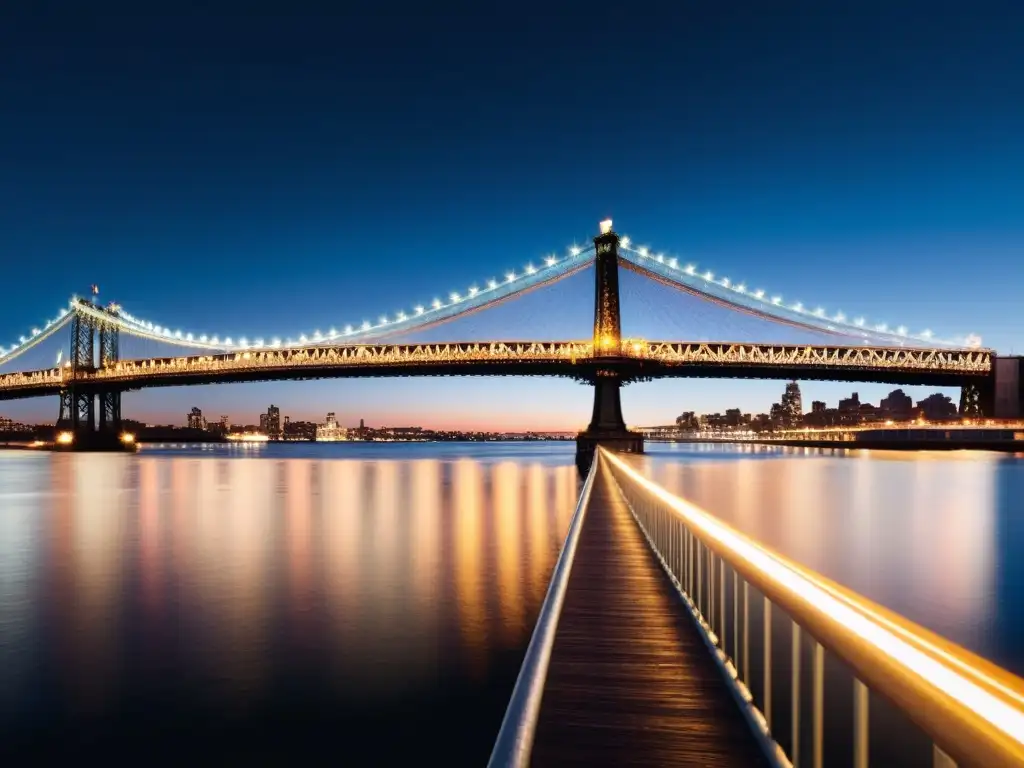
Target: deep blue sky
(256,172)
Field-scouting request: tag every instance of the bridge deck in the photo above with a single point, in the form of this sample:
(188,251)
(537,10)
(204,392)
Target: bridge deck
(631,681)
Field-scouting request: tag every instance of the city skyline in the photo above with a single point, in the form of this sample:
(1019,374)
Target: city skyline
(250,204)
(791,400)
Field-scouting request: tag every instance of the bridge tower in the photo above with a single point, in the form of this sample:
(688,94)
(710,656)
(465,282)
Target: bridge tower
(80,405)
(606,427)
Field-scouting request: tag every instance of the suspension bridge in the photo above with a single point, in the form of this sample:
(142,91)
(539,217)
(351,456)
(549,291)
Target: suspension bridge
(93,376)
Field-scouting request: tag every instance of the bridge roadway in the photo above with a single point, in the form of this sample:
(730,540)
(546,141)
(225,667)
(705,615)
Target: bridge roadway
(633,360)
(631,681)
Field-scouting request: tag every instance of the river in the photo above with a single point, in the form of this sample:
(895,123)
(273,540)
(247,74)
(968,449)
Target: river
(374,600)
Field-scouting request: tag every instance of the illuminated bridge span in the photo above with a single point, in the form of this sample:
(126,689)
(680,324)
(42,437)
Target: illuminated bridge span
(576,359)
(94,375)
(669,638)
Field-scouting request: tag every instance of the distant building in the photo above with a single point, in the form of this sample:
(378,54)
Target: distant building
(329,431)
(897,406)
(937,407)
(274,422)
(688,422)
(196,420)
(300,430)
(792,405)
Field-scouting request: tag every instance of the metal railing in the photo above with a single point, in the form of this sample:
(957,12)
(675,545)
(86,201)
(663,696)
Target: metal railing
(515,739)
(971,710)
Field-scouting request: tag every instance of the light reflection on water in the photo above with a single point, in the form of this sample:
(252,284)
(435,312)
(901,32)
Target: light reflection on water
(934,536)
(270,600)
(317,598)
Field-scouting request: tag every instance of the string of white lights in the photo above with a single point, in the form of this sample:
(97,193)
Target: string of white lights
(737,295)
(457,303)
(35,336)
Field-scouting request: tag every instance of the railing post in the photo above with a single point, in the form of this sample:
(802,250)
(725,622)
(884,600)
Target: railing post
(819,702)
(700,577)
(746,633)
(768,662)
(736,619)
(721,600)
(860,724)
(795,747)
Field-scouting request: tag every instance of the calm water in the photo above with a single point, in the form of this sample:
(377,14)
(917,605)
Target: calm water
(374,601)
(262,607)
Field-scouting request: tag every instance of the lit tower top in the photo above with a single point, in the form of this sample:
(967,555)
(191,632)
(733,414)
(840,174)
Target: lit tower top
(607,325)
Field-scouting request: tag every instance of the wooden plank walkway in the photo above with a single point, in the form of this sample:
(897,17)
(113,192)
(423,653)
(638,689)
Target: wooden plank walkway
(631,681)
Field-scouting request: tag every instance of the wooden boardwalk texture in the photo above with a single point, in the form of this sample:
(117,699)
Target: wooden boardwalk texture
(631,681)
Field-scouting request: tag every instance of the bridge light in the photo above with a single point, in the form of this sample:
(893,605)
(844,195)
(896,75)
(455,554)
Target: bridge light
(575,251)
(840,317)
(202,339)
(798,307)
(400,317)
(660,258)
(22,339)
(188,337)
(689,269)
(643,252)
(275,343)
(473,290)
(348,330)
(776,300)
(332,334)
(902,331)
(258,343)
(167,332)
(65,438)
(741,288)
(725,281)
(366,325)
(436,304)
(383,320)
(606,226)
(926,333)
(819,312)
(35,331)
(530,269)
(625,241)
(510,276)
(859,321)
(551,261)
(492,284)
(317,336)
(228,342)
(454,297)
(673,262)
(709,275)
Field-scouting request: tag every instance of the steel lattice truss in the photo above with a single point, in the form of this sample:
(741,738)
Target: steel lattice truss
(838,357)
(637,358)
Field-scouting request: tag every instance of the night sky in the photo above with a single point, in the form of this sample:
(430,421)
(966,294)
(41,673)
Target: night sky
(257,171)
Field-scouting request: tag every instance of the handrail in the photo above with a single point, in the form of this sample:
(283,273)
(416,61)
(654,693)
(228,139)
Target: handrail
(972,710)
(515,739)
